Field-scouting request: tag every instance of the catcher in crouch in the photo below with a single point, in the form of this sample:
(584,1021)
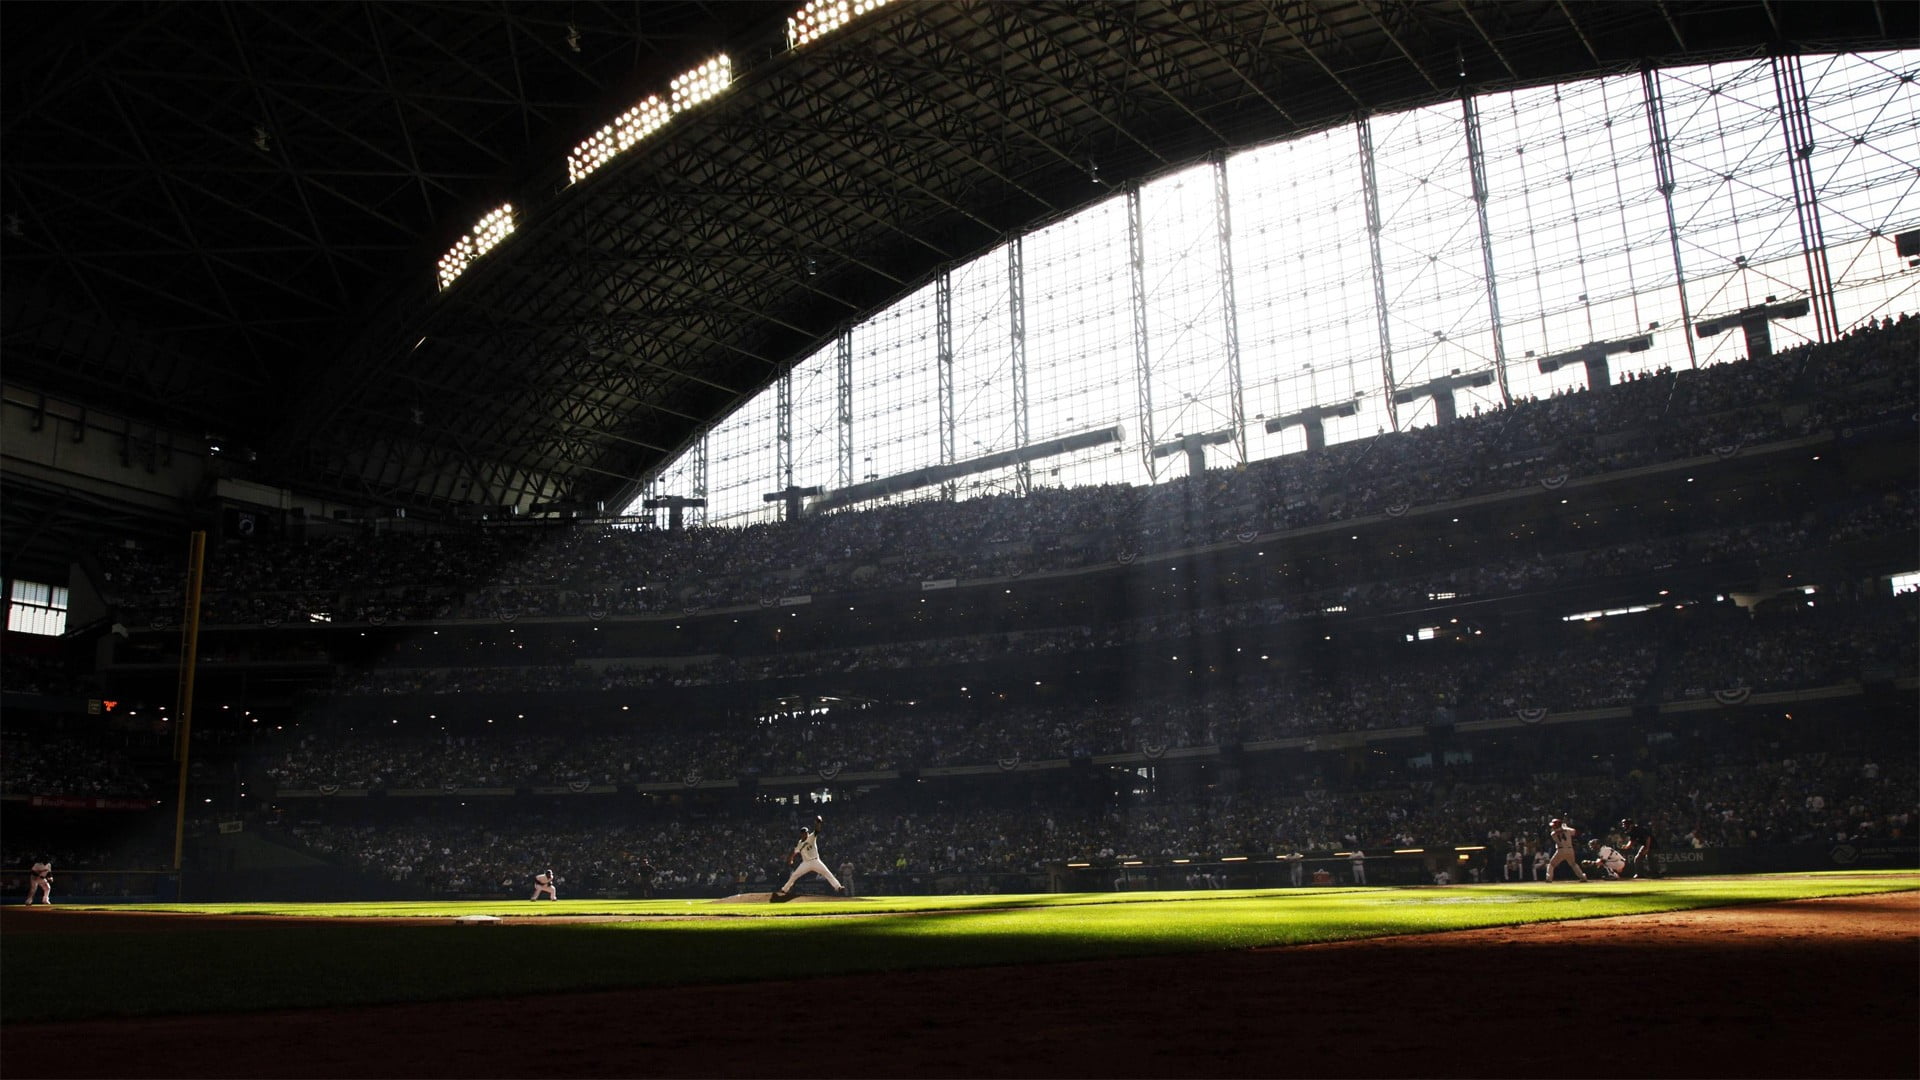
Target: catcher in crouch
(807,854)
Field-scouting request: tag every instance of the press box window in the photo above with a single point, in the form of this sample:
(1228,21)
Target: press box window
(37,608)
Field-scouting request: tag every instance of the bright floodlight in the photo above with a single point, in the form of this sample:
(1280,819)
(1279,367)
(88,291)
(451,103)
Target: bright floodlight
(630,127)
(822,17)
(627,129)
(495,227)
(703,82)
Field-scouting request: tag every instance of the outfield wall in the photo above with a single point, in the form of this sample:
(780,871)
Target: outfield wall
(1866,855)
(1419,868)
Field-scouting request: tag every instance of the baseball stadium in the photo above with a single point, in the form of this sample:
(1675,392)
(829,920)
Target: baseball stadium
(682,538)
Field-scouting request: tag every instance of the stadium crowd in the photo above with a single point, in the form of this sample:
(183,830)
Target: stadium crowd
(70,765)
(1612,663)
(1719,800)
(491,663)
(1863,378)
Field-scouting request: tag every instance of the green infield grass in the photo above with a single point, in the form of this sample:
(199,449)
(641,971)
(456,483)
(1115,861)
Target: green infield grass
(328,958)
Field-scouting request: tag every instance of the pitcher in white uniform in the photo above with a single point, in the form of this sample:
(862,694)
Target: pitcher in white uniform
(807,854)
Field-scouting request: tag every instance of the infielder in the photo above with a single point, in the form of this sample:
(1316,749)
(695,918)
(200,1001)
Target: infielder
(1562,835)
(807,854)
(543,883)
(41,883)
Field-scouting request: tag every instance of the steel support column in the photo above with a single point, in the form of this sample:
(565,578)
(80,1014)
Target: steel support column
(1142,362)
(783,430)
(943,361)
(1663,172)
(1017,358)
(1477,165)
(1372,187)
(1229,311)
(843,405)
(700,474)
(1796,127)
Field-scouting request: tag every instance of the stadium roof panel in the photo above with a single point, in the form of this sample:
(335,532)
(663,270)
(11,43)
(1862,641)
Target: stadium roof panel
(232,214)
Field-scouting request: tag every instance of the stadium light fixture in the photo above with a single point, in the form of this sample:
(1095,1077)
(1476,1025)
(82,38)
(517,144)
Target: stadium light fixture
(1589,616)
(627,130)
(702,83)
(822,17)
(484,237)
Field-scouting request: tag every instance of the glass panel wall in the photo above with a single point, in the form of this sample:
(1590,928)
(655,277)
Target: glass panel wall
(743,464)
(1436,286)
(1186,324)
(1303,282)
(1733,199)
(896,390)
(816,419)
(1865,112)
(1080,362)
(982,368)
(1578,230)
(1580,249)
(678,479)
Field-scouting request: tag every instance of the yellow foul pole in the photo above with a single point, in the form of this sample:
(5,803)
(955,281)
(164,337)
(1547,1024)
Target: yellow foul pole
(183,716)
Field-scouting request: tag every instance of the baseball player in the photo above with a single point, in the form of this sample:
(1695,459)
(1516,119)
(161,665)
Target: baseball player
(1637,839)
(41,883)
(543,883)
(1605,862)
(807,854)
(1562,835)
